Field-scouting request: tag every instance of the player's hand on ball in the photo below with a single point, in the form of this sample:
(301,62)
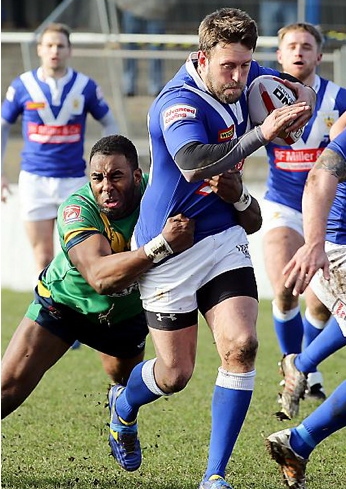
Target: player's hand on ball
(304,94)
(283,120)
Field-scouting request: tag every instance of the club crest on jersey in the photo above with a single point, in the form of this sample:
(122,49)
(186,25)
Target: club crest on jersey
(178,112)
(34,105)
(77,104)
(226,134)
(329,121)
(72,213)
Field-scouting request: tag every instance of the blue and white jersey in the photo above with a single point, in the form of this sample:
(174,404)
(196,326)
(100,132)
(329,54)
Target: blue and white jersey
(336,224)
(289,165)
(54,115)
(186,112)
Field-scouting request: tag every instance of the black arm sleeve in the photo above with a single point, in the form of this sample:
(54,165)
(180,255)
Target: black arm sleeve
(198,161)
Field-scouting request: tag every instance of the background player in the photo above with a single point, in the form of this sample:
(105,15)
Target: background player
(299,53)
(321,260)
(53,101)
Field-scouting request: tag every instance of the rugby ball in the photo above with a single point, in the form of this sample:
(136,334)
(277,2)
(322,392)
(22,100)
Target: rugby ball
(266,93)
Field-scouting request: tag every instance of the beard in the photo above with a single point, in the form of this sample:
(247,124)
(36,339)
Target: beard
(219,92)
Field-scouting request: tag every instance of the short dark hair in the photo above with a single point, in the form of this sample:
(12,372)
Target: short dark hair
(303,27)
(56,27)
(116,144)
(227,25)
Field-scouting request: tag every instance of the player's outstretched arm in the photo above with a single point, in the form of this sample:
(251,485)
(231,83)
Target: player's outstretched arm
(318,196)
(108,273)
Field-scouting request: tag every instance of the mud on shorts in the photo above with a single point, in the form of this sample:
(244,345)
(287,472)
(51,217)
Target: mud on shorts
(125,339)
(333,292)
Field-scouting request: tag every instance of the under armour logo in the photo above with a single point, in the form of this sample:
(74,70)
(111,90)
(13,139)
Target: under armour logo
(160,316)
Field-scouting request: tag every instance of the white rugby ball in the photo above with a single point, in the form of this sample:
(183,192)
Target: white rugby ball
(266,93)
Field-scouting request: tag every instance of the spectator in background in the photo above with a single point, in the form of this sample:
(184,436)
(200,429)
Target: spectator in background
(54,101)
(143,17)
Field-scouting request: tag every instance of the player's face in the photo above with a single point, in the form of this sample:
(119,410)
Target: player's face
(116,187)
(225,72)
(54,52)
(299,55)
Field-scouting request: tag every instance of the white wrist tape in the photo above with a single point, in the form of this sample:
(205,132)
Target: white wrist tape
(157,249)
(244,200)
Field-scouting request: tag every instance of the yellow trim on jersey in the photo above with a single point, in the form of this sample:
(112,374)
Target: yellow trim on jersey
(42,290)
(75,232)
(117,240)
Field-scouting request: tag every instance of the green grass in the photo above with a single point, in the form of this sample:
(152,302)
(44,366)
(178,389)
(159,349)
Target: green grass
(58,437)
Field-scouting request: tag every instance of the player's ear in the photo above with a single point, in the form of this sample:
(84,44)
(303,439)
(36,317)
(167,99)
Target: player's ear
(137,176)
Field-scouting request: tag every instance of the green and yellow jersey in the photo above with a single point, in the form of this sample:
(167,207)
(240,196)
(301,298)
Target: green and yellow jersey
(78,218)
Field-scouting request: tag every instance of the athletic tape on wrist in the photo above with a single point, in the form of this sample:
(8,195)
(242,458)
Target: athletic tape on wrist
(244,201)
(157,249)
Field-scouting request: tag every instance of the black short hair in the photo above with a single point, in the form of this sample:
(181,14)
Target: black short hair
(116,144)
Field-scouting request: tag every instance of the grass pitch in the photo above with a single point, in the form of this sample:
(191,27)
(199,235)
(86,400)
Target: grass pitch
(59,437)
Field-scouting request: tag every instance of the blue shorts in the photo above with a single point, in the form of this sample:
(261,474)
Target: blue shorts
(125,339)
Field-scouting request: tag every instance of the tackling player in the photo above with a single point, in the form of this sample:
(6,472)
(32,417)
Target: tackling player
(89,291)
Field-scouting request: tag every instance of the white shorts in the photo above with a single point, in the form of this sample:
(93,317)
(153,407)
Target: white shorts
(40,197)
(171,287)
(333,292)
(278,215)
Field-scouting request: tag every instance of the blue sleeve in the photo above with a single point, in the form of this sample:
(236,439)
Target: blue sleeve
(96,105)
(177,129)
(12,105)
(339,144)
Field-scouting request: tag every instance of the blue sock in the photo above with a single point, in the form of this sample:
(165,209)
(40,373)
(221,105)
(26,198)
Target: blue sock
(289,329)
(141,389)
(231,400)
(327,342)
(329,417)
(312,328)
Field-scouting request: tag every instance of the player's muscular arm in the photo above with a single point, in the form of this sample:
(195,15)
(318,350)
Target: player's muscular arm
(333,163)
(108,273)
